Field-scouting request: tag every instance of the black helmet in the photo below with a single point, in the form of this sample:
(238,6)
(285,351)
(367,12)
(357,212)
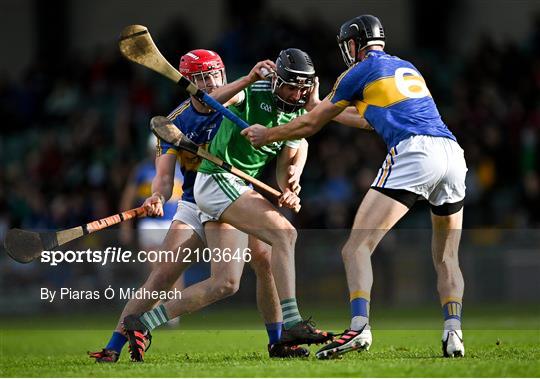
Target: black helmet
(365,30)
(294,67)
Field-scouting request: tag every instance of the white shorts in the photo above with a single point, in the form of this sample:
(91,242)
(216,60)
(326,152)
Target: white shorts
(152,231)
(189,214)
(215,192)
(432,167)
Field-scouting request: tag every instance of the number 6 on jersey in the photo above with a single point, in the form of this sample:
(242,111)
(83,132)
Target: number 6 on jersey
(412,85)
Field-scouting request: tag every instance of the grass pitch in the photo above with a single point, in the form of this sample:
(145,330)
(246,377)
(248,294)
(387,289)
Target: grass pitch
(212,344)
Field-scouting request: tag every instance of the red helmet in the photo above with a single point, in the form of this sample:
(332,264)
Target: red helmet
(201,61)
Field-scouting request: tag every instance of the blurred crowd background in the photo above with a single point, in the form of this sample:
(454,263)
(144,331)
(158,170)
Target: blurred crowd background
(75,122)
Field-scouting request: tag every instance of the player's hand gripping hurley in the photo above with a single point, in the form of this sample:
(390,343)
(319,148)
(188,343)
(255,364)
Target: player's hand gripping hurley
(137,45)
(25,246)
(163,128)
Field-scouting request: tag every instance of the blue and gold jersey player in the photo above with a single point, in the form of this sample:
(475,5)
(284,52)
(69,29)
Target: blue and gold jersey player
(424,161)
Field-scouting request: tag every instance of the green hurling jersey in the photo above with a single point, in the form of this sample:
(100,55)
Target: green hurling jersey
(228,144)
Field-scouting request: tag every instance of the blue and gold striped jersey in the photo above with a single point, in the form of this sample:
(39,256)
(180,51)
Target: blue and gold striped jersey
(144,174)
(198,127)
(392,96)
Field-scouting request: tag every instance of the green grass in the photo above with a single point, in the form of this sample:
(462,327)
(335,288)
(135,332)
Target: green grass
(408,348)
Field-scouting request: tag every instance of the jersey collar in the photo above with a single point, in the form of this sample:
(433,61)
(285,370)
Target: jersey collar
(375,52)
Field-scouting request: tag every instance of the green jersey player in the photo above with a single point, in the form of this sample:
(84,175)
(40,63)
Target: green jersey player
(231,208)
(228,201)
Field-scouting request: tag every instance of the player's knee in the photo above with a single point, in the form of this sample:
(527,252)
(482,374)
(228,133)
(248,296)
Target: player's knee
(366,247)
(348,252)
(286,237)
(226,287)
(282,231)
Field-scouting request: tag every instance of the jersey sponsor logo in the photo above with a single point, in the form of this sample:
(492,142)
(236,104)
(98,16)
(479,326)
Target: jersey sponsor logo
(266,107)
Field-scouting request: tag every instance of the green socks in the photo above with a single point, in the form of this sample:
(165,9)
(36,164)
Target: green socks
(154,318)
(291,316)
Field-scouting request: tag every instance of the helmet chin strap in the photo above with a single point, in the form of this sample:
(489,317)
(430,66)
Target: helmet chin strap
(286,106)
(351,59)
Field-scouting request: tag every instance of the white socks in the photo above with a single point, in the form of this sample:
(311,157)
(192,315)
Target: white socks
(358,322)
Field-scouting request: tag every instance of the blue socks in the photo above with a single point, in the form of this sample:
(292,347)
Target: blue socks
(117,342)
(359,309)
(274,332)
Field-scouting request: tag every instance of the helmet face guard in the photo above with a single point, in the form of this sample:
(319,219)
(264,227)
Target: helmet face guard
(295,69)
(200,79)
(349,57)
(365,30)
(199,65)
(303,84)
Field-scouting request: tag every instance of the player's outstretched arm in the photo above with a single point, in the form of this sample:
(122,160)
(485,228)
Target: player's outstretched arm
(349,117)
(301,127)
(231,93)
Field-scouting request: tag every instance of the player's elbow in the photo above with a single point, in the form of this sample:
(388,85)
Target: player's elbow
(167,180)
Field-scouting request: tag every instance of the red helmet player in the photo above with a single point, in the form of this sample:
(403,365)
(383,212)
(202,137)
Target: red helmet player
(204,68)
